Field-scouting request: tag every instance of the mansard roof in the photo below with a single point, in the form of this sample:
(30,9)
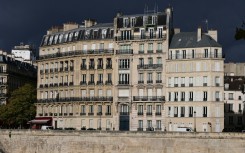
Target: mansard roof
(189,40)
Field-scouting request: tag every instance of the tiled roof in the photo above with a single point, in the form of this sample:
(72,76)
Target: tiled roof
(189,40)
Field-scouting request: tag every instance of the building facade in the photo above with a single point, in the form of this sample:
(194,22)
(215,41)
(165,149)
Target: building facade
(114,76)
(234,69)
(194,89)
(234,103)
(24,53)
(13,74)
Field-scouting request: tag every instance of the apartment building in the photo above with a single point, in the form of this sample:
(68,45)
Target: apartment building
(234,103)
(24,53)
(234,69)
(105,76)
(13,74)
(194,87)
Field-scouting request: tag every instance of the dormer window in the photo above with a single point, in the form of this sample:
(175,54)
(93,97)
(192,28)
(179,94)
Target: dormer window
(60,38)
(70,36)
(125,22)
(133,22)
(87,34)
(45,40)
(66,36)
(154,20)
(56,39)
(104,31)
(51,40)
(76,35)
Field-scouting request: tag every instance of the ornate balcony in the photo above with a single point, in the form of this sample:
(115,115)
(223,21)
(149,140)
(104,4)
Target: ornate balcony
(74,99)
(100,83)
(83,67)
(108,82)
(83,83)
(128,51)
(123,82)
(148,98)
(149,66)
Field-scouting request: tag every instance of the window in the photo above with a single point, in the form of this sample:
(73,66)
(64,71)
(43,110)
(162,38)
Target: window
(205,81)
(126,35)
(141,77)
(205,53)
(124,64)
(140,125)
(150,47)
(190,111)
(141,48)
(190,81)
(217,96)
(159,60)
(193,54)
(123,78)
(159,47)
(169,96)
(83,78)
(158,109)
(182,96)
(100,78)
(217,81)
(108,109)
(184,54)
(175,82)
(230,108)
(230,96)
(169,111)
(83,109)
(175,111)
(149,77)
(150,61)
(133,22)
(140,109)
(125,22)
(175,96)
(92,78)
(215,53)
(239,98)
(158,125)
(182,111)
(141,61)
(177,55)
(91,109)
(159,32)
(191,96)
(205,111)
(205,96)
(182,81)
(149,124)
(159,77)
(151,31)
(149,110)
(99,111)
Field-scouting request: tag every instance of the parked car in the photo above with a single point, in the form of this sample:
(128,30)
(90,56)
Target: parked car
(45,127)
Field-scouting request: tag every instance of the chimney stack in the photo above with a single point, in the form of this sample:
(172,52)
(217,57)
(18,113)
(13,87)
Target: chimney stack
(199,33)
(89,23)
(213,34)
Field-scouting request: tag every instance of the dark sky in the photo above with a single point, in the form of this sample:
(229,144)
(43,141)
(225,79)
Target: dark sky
(28,20)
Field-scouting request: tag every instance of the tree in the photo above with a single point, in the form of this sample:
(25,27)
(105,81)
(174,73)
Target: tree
(240,32)
(20,108)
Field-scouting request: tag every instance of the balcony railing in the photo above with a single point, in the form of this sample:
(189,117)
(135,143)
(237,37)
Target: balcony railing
(100,83)
(159,51)
(108,82)
(148,98)
(108,66)
(158,81)
(141,52)
(71,68)
(141,82)
(128,51)
(148,113)
(123,82)
(83,83)
(140,113)
(91,67)
(140,37)
(158,113)
(124,113)
(77,52)
(90,114)
(107,114)
(82,114)
(83,67)
(91,83)
(149,51)
(149,66)
(194,56)
(149,81)
(74,99)
(99,67)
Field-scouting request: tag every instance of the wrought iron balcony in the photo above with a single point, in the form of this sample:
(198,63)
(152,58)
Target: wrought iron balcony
(190,99)
(82,114)
(83,67)
(99,67)
(90,114)
(91,83)
(217,99)
(65,83)
(149,81)
(55,84)
(71,83)
(190,115)
(159,51)
(148,98)
(108,82)
(46,85)
(83,83)
(217,84)
(127,51)
(70,114)
(100,83)
(51,85)
(191,85)
(51,70)
(149,66)
(71,68)
(124,113)
(149,51)
(148,113)
(123,82)
(109,66)
(195,56)
(205,115)
(205,99)
(40,114)
(141,52)
(205,84)
(182,85)
(91,67)
(140,113)
(60,114)
(61,69)
(99,113)
(61,84)
(158,81)
(74,99)
(141,82)
(158,113)
(107,114)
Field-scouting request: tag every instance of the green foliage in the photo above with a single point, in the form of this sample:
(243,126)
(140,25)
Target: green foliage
(240,32)
(20,108)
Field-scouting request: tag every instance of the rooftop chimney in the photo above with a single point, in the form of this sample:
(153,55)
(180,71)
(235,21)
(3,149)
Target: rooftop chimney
(213,34)
(89,23)
(199,33)
(70,25)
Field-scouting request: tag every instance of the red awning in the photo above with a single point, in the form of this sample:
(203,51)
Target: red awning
(38,121)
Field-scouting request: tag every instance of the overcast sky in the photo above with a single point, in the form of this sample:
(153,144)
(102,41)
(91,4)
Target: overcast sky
(28,20)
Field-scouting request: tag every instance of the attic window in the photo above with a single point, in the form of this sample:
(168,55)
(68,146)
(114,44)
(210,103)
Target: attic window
(70,36)
(60,38)
(50,40)
(56,39)
(104,31)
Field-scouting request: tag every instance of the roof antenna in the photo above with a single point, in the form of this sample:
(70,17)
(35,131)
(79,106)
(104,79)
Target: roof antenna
(206,22)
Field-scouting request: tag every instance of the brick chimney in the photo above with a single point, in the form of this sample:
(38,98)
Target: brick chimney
(199,33)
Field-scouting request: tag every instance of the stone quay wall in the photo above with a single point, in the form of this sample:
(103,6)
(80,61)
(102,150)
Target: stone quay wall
(37,141)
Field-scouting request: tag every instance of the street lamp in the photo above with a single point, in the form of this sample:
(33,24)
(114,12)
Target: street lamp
(195,121)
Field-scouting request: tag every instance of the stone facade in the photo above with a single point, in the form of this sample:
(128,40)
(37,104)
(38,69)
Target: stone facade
(119,142)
